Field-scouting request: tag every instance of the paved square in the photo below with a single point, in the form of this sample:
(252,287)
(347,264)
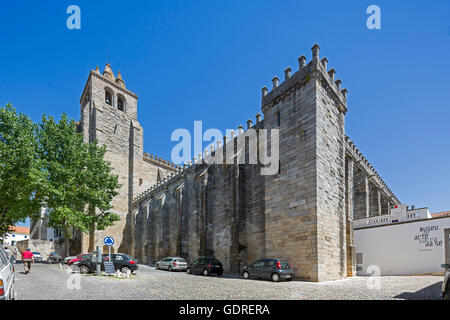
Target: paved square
(48,281)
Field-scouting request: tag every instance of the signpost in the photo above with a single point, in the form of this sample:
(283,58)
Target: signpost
(97,258)
(109,265)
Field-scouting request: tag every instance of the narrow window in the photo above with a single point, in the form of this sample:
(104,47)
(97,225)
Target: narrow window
(108,97)
(120,104)
(158,176)
(141,181)
(278,118)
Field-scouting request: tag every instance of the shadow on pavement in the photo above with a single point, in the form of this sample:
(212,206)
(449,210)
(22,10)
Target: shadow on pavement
(432,292)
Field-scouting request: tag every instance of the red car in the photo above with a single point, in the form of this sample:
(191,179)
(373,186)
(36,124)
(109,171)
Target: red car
(79,258)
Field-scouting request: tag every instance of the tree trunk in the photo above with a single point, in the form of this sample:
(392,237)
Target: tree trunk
(66,241)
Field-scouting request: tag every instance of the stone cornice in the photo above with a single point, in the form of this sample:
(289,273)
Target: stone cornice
(161,163)
(353,152)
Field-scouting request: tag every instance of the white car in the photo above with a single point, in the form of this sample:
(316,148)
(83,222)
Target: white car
(37,256)
(172,264)
(7,276)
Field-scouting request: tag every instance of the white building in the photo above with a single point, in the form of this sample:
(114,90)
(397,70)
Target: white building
(398,213)
(40,230)
(403,243)
(17,234)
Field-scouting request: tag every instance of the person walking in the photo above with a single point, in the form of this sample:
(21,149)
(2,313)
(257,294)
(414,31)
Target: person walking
(9,252)
(27,259)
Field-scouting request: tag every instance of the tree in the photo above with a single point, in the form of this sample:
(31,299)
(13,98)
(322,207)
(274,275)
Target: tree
(20,174)
(79,183)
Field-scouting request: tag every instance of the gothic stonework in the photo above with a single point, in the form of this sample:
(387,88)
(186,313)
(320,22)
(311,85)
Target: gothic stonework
(230,211)
(114,123)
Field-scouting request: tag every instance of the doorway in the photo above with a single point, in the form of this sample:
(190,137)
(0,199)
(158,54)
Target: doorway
(447,245)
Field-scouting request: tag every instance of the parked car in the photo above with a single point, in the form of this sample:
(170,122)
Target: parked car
(205,266)
(172,264)
(446,283)
(79,258)
(37,256)
(122,262)
(53,256)
(7,276)
(270,269)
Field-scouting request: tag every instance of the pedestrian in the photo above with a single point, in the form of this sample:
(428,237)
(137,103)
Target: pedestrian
(27,259)
(8,252)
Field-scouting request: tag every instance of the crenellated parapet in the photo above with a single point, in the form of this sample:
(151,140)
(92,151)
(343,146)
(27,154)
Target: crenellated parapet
(208,156)
(315,69)
(160,162)
(359,159)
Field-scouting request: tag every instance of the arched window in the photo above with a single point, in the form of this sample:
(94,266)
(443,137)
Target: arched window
(108,97)
(120,103)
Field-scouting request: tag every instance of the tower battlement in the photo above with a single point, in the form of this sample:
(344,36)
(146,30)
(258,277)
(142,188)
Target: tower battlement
(314,69)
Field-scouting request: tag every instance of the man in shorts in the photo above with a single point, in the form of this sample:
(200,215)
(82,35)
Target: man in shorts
(27,259)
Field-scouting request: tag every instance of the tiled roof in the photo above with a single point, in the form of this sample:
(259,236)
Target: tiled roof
(22,230)
(440,214)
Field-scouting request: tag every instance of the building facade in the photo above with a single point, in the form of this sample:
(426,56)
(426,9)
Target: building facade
(16,234)
(410,247)
(303,213)
(109,114)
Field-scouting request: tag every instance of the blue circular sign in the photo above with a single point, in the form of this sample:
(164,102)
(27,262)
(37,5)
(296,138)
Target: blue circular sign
(109,241)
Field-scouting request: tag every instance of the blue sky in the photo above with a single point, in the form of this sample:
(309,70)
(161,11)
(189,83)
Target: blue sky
(207,60)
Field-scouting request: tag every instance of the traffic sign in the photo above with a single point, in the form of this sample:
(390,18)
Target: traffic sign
(109,241)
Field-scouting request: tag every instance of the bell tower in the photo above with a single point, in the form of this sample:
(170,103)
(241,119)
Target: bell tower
(109,114)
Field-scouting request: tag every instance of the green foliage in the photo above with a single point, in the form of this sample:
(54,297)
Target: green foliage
(20,174)
(77,178)
(50,164)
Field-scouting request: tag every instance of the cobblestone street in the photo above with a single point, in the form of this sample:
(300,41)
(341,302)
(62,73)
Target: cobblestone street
(49,281)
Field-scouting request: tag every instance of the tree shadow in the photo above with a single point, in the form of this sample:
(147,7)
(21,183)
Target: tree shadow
(432,292)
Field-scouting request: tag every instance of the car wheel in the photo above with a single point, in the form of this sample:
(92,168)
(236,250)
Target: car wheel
(246,275)
(124,269)
(188,270)
(275,277)
(84,269)
(157,267)
(205,272)
(170,268)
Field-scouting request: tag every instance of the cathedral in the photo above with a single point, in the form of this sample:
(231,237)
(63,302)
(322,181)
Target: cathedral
(303,213)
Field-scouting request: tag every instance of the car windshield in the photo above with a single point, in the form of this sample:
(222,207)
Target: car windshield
(36,253)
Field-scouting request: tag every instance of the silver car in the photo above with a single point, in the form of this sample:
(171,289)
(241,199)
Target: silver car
(7,276)
(37,256)
(446,283)
(172,264)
